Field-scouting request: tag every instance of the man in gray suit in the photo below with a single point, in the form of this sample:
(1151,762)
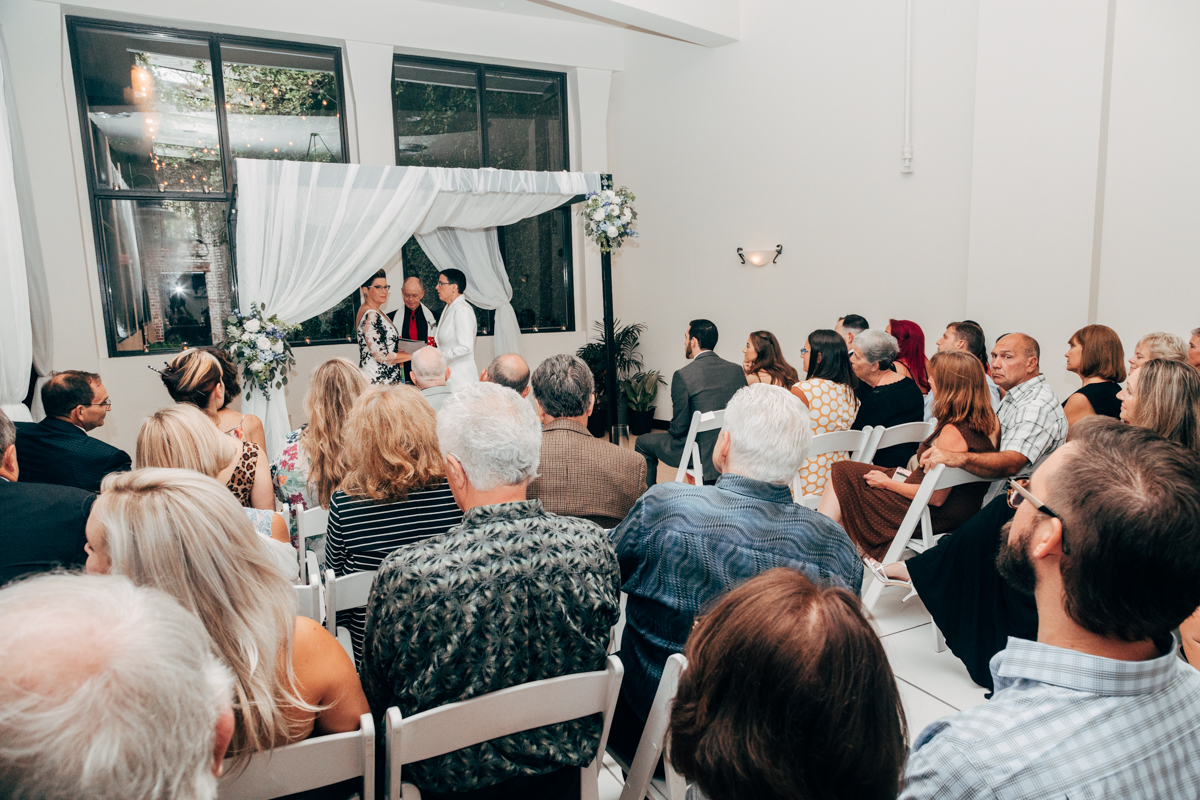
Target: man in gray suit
(707,384)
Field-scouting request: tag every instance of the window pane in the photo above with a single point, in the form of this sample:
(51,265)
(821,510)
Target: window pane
(334,325)
(281,104)
(535,255)
(524,115)
(437,116)
(168,271)
(152,118)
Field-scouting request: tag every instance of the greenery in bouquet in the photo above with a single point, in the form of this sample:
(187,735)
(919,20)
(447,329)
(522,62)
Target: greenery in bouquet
(258,345)
(608,217)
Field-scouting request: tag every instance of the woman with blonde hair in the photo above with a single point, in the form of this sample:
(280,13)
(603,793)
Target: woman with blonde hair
(308,469)
(197,377)
(1094,353)
(1159,344)
(393,491)
(181,437)
(181,532)
(1164,396)
(870,503)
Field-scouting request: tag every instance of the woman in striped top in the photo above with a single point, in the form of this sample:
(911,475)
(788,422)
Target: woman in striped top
(394,491)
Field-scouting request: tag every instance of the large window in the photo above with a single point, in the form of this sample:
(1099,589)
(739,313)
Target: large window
(450,114)
(163,114)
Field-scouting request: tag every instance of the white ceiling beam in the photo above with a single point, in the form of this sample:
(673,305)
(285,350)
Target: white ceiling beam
(711,23)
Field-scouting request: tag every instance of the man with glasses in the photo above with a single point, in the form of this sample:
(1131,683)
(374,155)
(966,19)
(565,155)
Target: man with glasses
(417,323)
(456,330)
(1106,539)
(58,449)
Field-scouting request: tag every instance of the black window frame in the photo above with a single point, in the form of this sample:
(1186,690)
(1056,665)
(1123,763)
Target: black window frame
(481,69)
(228,194)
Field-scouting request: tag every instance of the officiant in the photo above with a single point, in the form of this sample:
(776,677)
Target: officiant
(456,329)
(417,323)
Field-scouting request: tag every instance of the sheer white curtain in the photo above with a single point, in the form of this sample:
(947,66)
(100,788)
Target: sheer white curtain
(16,332)
(309,234)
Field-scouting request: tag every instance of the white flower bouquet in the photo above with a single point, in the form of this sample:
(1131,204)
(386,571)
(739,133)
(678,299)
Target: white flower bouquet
(608,217)
(258,345)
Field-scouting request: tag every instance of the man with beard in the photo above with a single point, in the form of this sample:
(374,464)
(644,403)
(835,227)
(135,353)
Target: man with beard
(1106,538)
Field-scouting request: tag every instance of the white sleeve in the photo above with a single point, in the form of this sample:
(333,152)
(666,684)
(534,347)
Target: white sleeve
(461,327)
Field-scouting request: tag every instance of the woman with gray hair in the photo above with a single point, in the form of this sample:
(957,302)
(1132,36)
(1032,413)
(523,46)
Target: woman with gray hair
(886,397)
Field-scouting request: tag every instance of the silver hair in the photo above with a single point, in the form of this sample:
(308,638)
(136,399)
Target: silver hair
(563,385)
(8,433)
(493,433)
(110,691)
(769,433)
(877,347)
(1168,346)
(429,364)
(1195,331)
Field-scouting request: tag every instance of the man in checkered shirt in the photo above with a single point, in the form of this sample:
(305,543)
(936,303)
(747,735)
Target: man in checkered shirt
(1107,539)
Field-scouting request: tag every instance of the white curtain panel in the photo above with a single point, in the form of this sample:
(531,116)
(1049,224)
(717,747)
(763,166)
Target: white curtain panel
(16,333)
(477,254)
(309,234)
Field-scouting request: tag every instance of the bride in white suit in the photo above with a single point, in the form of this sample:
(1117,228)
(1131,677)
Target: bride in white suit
(456,330)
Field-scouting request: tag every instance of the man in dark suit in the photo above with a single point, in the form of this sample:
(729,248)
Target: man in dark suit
(417,323)
(41,526)
(579,475)
(58,449)
(707,384)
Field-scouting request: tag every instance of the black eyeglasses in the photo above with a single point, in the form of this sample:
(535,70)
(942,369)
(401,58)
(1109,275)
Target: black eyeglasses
(106,404)
(1017,493)
(379,287)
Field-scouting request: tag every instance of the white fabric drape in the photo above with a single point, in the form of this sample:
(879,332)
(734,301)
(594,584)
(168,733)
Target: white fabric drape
(309,234)
(477,254)
(16,332)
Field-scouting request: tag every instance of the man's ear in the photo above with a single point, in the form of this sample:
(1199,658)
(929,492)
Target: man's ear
(455,475)
(224,735)
(1047,539)
(9,461)
(721,451)
(591,405)
(447,373)
(482,376)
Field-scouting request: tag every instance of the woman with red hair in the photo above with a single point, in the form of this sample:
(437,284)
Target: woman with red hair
(911,363)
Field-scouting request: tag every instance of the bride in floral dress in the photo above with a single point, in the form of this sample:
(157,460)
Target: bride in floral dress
(377,336)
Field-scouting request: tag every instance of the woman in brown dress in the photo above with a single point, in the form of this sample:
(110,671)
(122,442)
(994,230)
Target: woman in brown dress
(870,504)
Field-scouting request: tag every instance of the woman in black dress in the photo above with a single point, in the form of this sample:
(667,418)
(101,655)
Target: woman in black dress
(886,398)
(1095,354)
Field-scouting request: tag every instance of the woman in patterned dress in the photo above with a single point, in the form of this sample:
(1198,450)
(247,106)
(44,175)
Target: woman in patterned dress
(377,336)
(828,394)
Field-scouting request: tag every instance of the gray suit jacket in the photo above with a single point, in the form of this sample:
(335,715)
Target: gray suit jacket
(436,395)
(706,384)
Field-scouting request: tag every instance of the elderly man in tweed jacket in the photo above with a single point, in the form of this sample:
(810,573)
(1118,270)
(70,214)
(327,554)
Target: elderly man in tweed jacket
(581,476)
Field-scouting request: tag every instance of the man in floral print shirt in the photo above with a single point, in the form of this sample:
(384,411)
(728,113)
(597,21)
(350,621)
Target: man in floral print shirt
(512,595)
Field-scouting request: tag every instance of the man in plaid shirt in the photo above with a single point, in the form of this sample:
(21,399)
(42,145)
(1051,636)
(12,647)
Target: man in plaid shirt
(1107,539)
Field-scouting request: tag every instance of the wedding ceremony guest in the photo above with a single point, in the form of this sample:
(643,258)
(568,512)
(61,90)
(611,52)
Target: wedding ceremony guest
(206,378)
(508,370)
(773,668)
(886,398)
(179,437)
(851,326)
(707,384)
(43,525)
(871,503)
(394,490)
(968,337)
(308,469)
(378,355)
(1164,396)
(763,361)
(58,449)
(1194,348)
(911,363)
(1159,345)
(682,546)
(417,323)
(1094,353)
(1106,540)
(180,532)
(429,374)
(828,393)
(580,475)
(974,608)
(110,692)
(512,585)
(456,329)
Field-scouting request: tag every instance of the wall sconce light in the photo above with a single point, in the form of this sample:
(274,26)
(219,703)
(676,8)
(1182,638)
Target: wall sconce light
(760,258)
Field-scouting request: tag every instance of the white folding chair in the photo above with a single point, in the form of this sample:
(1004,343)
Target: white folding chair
(690,462)
(908,433)
(348,591)
(640,782)
(308,596)
(303,766)
(502,713)
(854,443)
(309,525)
(618,630)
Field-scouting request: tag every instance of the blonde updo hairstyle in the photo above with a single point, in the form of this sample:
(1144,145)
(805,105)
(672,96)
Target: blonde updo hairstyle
(191,377)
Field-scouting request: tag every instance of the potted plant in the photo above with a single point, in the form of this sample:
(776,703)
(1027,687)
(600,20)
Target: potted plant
(629,362)
(640,391)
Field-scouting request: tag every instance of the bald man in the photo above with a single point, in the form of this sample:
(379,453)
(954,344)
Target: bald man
(417,323)
(508,370)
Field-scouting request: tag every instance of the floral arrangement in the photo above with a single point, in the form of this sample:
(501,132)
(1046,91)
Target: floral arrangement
(258,345)
(608,217)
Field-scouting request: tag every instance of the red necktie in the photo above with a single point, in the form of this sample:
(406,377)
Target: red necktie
(412,324)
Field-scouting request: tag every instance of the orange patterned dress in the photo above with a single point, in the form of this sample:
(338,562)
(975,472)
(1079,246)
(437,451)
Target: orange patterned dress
(831,407)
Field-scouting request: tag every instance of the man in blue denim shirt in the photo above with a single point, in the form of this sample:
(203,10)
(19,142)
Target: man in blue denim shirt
(683,546)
